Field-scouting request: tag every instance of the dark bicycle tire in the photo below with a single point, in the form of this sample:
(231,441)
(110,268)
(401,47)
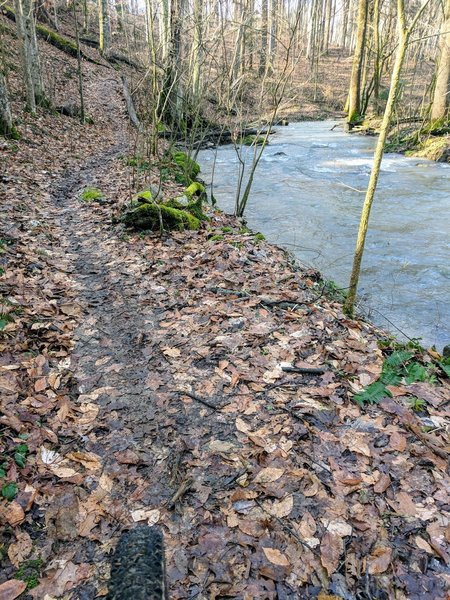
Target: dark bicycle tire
(138,566)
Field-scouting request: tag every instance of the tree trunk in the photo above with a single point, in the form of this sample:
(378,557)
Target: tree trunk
(441,96)
(264,31)
(26,56)
(404,34)
(197,49)
(104,26)
(36,72)
(354,105)
(6,124)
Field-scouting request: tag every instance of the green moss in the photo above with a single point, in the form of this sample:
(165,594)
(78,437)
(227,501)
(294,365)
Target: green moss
(259,237)
(254,140)
(433,148)
(227,229)
(29,573)
(216,238)
(195,189)
(145,196)
(91,194)
(156,216)
(193,207)
(56,40)
(188,169)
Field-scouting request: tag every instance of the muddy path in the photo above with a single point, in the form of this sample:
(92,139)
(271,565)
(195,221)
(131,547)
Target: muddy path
(209,390)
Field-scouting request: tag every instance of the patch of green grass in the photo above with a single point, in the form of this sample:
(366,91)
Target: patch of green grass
(259,237)
(227,229)
(91,194)
(244,230)
(216,238)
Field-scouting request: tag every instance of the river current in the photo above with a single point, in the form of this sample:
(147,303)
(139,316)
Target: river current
(307,196)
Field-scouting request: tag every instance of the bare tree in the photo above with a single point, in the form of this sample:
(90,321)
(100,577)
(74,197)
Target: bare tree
(404,33)
(354,101)
(6,123)
(441,96)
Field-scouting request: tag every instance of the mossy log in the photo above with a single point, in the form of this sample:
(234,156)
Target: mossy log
(51,37)
(157,217)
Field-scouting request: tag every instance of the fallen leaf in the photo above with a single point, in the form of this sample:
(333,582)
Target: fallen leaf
(283,508)
(379,561)
(331,548)
(12,589)
(21,549)
(89,460)
(127,457)
(276,557)
(152,516)
(12,513)
(172,352)
(269,475)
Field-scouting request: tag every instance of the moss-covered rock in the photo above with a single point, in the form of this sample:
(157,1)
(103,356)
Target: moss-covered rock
(188,168)
(194,207)
(195,189)
(254,140)
(155,217)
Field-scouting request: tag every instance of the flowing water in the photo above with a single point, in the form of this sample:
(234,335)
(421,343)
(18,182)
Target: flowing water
(307,196)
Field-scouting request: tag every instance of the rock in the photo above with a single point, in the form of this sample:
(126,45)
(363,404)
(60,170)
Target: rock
(159,216)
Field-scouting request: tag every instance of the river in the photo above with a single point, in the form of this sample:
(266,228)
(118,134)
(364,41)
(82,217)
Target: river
(307,196)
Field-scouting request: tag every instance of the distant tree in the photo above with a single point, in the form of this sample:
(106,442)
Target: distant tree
(104,26)
(6,123)
(25,46)
(441,97)
(354,97)
(264,36)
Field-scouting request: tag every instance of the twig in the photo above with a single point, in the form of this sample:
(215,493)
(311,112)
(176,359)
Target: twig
(184,487)
(201,400)
(304,370)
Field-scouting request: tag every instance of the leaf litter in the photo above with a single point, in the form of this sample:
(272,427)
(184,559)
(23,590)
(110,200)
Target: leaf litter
(204,386)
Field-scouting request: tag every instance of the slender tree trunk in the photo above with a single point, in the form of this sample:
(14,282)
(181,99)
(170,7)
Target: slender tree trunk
(441,96)
(404,34)
(36,71)
(104,26)
(354,105)
(6,123)
(79,62)
(264,33)
(26,56)
(197,49)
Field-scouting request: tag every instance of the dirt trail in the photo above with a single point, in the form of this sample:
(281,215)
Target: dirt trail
(209,391)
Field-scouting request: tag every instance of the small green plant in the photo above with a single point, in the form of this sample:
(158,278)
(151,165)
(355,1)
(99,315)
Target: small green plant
(91,194)
(216,238)
(244,230)
(227,229)
(29,572)
(259,237)
(333,291)
(417,404)
(9,491)
(399,367)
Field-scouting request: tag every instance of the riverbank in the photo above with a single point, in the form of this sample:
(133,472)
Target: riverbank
(203,382)
(413,139)
(200,381)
